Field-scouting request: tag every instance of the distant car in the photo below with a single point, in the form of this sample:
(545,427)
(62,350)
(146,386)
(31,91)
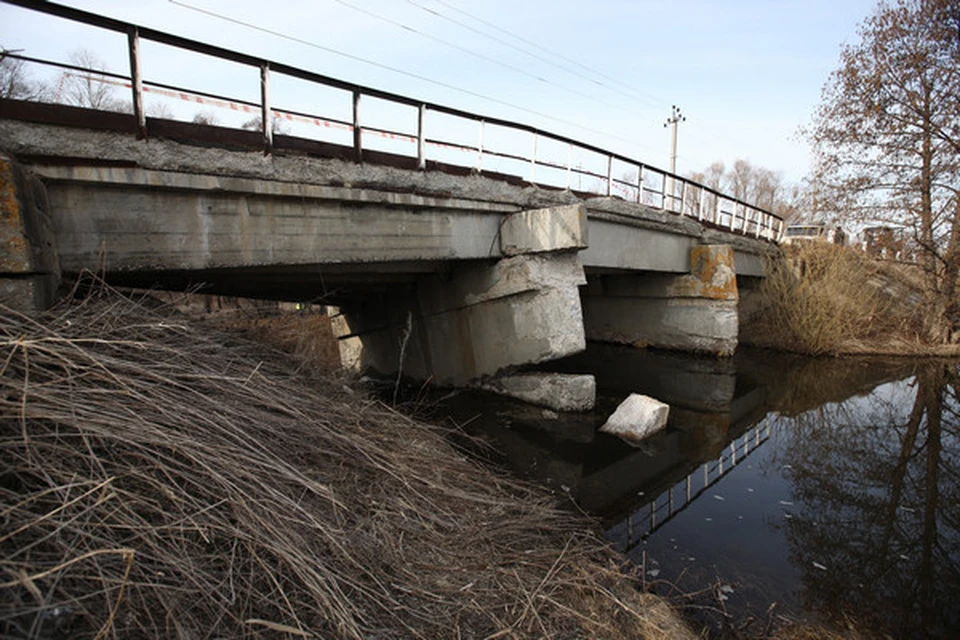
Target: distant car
(813,232)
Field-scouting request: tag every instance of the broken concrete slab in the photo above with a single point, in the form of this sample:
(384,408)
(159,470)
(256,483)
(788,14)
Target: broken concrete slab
(556,391)
(637,418)
(539,230)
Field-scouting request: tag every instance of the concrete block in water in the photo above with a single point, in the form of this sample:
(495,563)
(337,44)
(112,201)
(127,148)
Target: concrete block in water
(556,391)
(636,418)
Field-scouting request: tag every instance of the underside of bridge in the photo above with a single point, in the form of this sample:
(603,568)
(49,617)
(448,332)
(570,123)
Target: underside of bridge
(449,278)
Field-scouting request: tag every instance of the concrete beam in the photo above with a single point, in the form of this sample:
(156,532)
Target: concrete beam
(127,219)
(619,245)
(550,229)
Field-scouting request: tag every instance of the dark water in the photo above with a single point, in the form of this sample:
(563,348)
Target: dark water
(820,489)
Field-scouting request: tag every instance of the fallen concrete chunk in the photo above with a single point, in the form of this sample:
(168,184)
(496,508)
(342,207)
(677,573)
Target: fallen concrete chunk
(556,391)
(636,418)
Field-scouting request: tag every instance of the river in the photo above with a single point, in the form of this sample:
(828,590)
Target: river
(825,490)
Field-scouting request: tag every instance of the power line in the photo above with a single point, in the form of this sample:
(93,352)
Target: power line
(408,74)
(533,55)
(641,95)
(480,56)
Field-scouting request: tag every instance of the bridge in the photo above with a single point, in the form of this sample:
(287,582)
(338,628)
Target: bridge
(450,257)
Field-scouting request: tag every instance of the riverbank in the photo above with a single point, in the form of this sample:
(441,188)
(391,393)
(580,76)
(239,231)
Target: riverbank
(821,299)
(166,479)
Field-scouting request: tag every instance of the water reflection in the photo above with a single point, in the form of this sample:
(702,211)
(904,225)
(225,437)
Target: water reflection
(877,478)
(828,487)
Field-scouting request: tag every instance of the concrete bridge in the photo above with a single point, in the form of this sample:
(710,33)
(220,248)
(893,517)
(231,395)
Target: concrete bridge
(448,272)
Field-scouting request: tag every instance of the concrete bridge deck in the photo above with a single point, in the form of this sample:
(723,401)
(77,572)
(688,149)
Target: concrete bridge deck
(478,275)
(445,271)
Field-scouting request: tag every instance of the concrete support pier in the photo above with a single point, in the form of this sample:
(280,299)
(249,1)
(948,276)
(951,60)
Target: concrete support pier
(691,312)
(29,265)
(480,318)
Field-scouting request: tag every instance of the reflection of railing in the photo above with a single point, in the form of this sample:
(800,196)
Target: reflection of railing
(664,507)
(643,184)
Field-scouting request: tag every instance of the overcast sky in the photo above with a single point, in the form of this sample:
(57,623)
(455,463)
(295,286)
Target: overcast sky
(746,74)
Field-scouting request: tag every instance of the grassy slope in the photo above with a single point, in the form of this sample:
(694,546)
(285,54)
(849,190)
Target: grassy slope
(822,299)
(163,479)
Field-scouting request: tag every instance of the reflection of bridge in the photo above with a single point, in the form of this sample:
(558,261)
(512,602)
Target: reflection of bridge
(679,495)
(473,254)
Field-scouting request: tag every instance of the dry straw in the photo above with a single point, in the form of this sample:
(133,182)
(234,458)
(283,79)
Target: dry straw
(825,299)
(161,482)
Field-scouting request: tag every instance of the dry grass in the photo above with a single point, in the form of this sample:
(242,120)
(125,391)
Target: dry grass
(825,299)
(308,338)
(158,482)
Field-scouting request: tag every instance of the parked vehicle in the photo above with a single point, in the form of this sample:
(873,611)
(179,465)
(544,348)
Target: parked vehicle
(813,232)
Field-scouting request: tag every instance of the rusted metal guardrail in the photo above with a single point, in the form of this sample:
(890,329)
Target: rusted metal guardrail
(645,184)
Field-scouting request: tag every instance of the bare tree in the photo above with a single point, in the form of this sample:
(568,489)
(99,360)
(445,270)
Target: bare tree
(887,137)
(90,88)
(159,110)
(758,186)
(254,124)
(14,80)
(205,117)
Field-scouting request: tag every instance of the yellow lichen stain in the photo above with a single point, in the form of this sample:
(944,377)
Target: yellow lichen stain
(713,272)
(16,255)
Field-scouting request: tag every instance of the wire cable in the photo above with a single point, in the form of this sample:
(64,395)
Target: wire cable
(637,92)
(481,56)
(409,74)
(536,56)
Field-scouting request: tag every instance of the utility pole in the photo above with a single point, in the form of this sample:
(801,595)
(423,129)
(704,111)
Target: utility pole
(675,118)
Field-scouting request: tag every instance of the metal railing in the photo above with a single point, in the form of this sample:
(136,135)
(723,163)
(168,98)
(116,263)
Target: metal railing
(638,182)
(667,505)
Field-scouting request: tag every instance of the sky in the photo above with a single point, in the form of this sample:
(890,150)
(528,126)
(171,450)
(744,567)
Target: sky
(746,74)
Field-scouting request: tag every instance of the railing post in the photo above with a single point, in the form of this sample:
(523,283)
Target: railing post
(640,184)
(609,176)
(569,165)
(357,131)
(700,202)
(480,147)
(421,138)
(266,113)
(136,82)
(533,160)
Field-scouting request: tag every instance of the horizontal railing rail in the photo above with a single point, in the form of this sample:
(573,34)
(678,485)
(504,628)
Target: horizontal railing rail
(651,186)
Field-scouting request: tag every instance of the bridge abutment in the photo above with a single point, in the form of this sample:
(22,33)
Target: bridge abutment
(29,264)
(690,312)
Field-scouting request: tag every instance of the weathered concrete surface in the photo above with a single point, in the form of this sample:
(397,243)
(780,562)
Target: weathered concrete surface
(138,219)
(637,418)
(693,312)
(640,237)
(473,322)
(29,264)
(550,229)
(705,326)
(556,391)
(627,246)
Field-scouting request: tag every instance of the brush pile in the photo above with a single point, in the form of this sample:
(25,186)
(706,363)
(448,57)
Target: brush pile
(162,479)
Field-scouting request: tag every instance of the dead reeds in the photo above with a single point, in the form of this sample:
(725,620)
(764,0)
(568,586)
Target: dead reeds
(820,299)
(160,479)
